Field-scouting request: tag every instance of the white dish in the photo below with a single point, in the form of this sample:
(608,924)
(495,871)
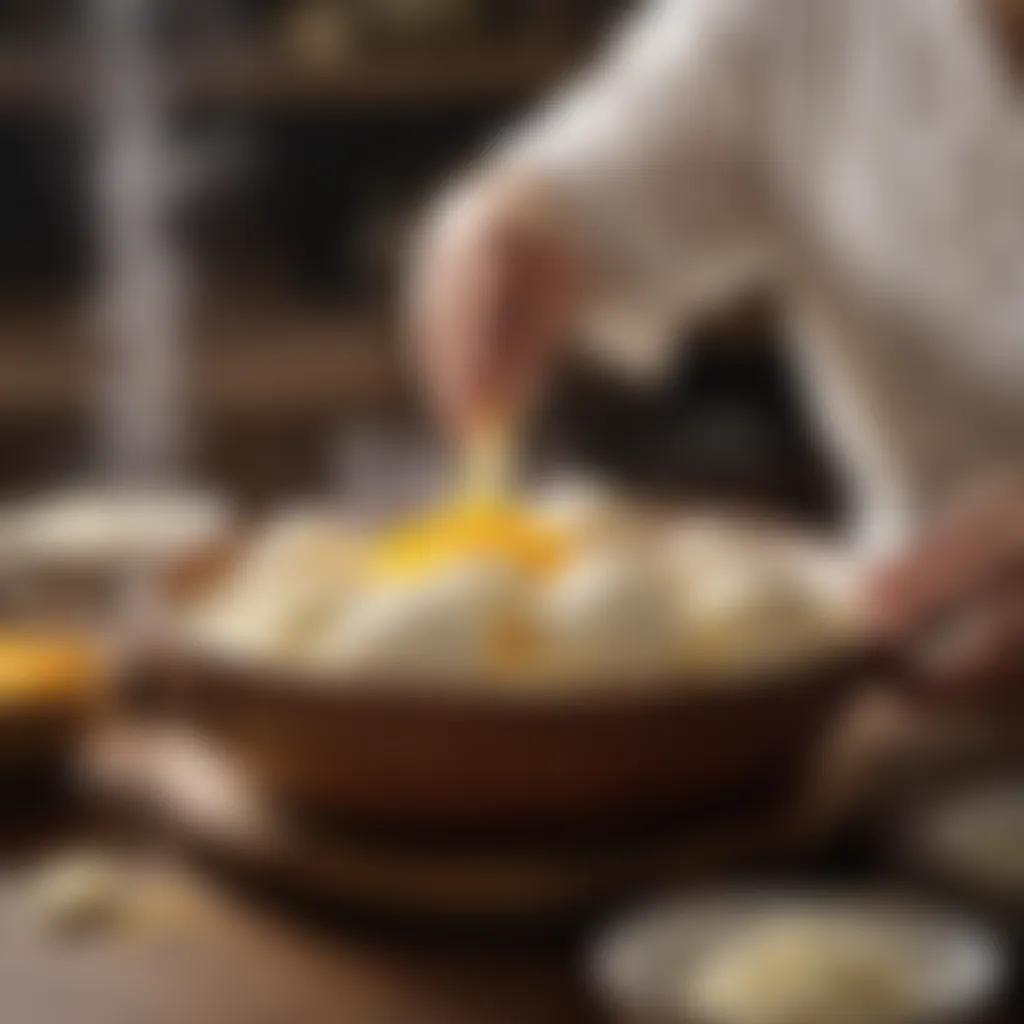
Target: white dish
(109,528)
(934,966)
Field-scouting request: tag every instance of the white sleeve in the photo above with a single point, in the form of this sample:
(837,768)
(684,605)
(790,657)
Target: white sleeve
(653,153)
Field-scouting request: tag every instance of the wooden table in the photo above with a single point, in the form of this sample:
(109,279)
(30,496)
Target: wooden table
(256,970)
(232,959)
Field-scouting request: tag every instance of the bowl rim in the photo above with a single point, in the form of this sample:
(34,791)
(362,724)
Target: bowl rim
(830,671)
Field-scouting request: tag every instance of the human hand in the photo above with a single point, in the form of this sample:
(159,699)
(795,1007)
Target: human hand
(495,285)
(955,602)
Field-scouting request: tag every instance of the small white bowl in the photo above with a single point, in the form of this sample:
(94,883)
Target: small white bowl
(640,965)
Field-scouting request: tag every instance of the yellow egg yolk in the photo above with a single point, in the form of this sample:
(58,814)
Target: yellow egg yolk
(468,530)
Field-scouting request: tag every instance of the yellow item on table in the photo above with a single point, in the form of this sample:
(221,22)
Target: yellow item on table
(37,666)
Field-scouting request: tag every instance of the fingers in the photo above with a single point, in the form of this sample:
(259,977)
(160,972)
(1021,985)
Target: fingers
(492,296)
(956,603)
(978,545)
(471,343)
(978,651)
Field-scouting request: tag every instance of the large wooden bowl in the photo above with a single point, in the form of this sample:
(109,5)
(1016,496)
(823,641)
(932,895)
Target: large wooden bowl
(470,757)
(386,756)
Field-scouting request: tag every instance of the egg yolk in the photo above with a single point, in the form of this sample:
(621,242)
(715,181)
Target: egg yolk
(468,530)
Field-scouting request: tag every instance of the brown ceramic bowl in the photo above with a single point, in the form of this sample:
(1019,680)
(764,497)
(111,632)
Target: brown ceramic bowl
(387,754)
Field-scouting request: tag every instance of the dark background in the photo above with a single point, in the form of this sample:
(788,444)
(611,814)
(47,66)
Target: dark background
(335,120)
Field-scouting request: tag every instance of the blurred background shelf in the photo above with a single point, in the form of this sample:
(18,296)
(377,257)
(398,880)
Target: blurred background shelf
(325,369)
(320,130)
(39,79)
(267,400)
(497,74)
(251,368)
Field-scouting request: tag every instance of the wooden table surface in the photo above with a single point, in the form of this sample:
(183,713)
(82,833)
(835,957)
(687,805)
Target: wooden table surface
(232,958)
(251,969)
(229,958)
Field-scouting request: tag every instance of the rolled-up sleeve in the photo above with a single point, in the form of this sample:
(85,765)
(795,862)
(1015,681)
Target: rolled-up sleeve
(652,153)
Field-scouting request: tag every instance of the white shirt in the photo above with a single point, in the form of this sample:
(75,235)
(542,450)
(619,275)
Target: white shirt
(869,155)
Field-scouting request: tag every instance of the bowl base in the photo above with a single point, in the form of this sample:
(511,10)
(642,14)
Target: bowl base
(206,800)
